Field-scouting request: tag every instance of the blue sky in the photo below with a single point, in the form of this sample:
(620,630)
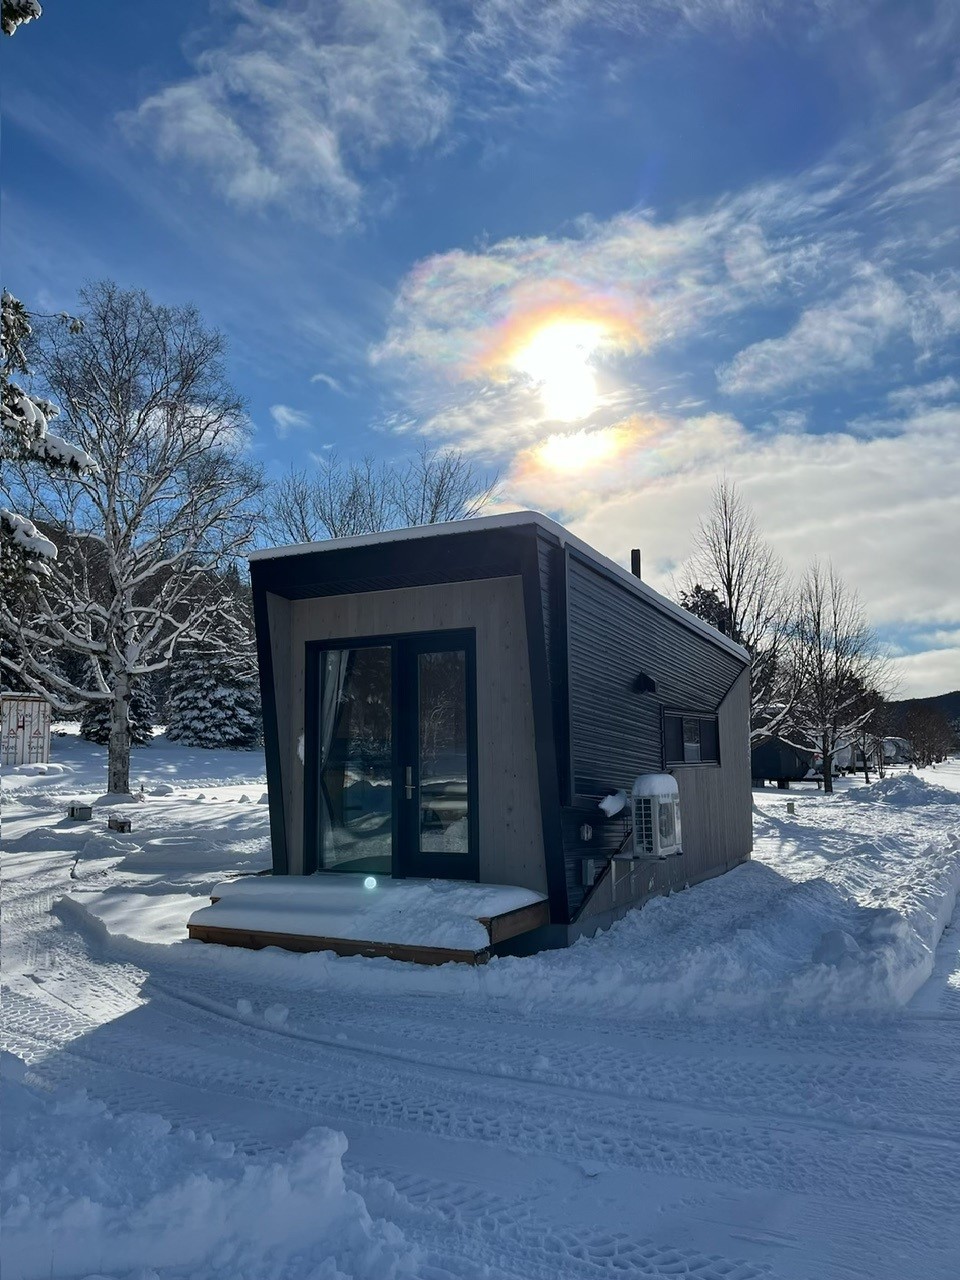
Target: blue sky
(610,248)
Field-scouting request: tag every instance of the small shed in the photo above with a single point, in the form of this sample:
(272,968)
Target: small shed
(24,729)
(454,701)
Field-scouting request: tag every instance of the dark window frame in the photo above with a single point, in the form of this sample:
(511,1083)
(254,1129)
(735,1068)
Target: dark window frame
(411,641)
(677,732)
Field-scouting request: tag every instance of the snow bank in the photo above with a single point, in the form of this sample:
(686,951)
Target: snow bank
(159,918)
(86,1192)
(907,791)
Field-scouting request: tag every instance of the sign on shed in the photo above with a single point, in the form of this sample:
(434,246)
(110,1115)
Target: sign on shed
(24,729)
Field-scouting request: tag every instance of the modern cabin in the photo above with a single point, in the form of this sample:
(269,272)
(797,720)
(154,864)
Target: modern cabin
(454,702)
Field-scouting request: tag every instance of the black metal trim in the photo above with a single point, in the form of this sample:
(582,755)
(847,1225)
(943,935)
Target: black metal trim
(544,733)
(410,860)
(569,787)
(271,733)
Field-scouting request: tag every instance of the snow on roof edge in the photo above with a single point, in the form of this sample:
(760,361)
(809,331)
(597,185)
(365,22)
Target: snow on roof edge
(510,520)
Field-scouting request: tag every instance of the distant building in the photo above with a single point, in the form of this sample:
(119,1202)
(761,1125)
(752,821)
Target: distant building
(24,729)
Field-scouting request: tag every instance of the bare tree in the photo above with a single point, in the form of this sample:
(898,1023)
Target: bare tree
(868,740)
(343,498)
(839,657)
(438,485)
(735,580)
(143,536)
(339,499)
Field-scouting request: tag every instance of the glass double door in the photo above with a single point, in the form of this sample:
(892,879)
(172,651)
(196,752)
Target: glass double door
(392,751)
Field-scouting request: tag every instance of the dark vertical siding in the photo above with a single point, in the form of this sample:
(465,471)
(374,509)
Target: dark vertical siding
(613,635)
(553,589)
(715,813)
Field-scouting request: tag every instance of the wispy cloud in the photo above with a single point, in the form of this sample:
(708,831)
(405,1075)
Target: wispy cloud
(911,399)
(841,336)
(295,102)
(817,256)
(298,100)
(330,381)
(526,43)
(286,419)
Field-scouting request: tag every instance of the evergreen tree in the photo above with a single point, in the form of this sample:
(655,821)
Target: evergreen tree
(95,721)
(16,12)
(212,702)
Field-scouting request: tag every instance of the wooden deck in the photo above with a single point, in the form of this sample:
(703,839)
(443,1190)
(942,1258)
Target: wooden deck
(500,928)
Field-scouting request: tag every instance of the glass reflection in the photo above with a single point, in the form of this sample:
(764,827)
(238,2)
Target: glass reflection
(356,760)
(444,798)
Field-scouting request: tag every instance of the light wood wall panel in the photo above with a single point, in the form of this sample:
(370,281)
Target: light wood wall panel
(510,831)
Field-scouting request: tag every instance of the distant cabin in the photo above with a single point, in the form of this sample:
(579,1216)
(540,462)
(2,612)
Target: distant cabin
(453,702)
(777,761)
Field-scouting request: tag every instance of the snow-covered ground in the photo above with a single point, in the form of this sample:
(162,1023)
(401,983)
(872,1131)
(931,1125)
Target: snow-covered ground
(756,1078)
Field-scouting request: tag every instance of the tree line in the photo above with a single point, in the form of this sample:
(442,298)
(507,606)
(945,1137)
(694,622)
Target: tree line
(119,550)
(820,679)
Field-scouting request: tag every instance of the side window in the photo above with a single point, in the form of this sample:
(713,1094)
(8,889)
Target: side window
(690,739)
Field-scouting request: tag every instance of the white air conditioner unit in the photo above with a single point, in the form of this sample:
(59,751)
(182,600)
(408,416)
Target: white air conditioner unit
(655,800)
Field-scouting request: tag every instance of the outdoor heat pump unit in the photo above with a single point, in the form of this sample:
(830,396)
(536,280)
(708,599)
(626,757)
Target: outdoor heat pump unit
(655,801)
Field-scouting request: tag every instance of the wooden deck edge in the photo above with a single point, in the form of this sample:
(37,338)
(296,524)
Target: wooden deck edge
(257,939)
(511,923)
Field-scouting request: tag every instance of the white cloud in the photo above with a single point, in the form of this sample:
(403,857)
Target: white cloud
(329,381)
(909,399)
(925,674)
(286,419)
(886,510)
(880,495)
(836,337)
(525,43)
(298,100)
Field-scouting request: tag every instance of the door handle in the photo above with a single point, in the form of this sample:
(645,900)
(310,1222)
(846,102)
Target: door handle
(409,782)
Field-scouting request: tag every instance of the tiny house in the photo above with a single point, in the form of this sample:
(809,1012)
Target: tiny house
(457,701)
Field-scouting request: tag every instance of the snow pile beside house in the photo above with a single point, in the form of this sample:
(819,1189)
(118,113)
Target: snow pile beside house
(907,791)
(87,1192)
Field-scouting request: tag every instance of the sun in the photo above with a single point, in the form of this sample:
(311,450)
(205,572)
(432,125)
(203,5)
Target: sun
(557,359)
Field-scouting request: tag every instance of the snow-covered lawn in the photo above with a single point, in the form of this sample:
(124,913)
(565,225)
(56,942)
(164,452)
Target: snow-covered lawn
(756,1078)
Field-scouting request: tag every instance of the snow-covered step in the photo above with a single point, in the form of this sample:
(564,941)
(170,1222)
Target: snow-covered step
(429,921)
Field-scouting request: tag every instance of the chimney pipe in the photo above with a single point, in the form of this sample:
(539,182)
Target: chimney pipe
(635,562)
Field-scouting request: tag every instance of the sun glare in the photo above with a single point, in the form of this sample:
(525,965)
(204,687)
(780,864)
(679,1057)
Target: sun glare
(557,359)
(580,450)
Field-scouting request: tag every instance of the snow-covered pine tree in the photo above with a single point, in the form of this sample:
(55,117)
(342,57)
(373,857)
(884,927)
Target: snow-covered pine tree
(16,12)
(95,721)
(212,702)
(25,437)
